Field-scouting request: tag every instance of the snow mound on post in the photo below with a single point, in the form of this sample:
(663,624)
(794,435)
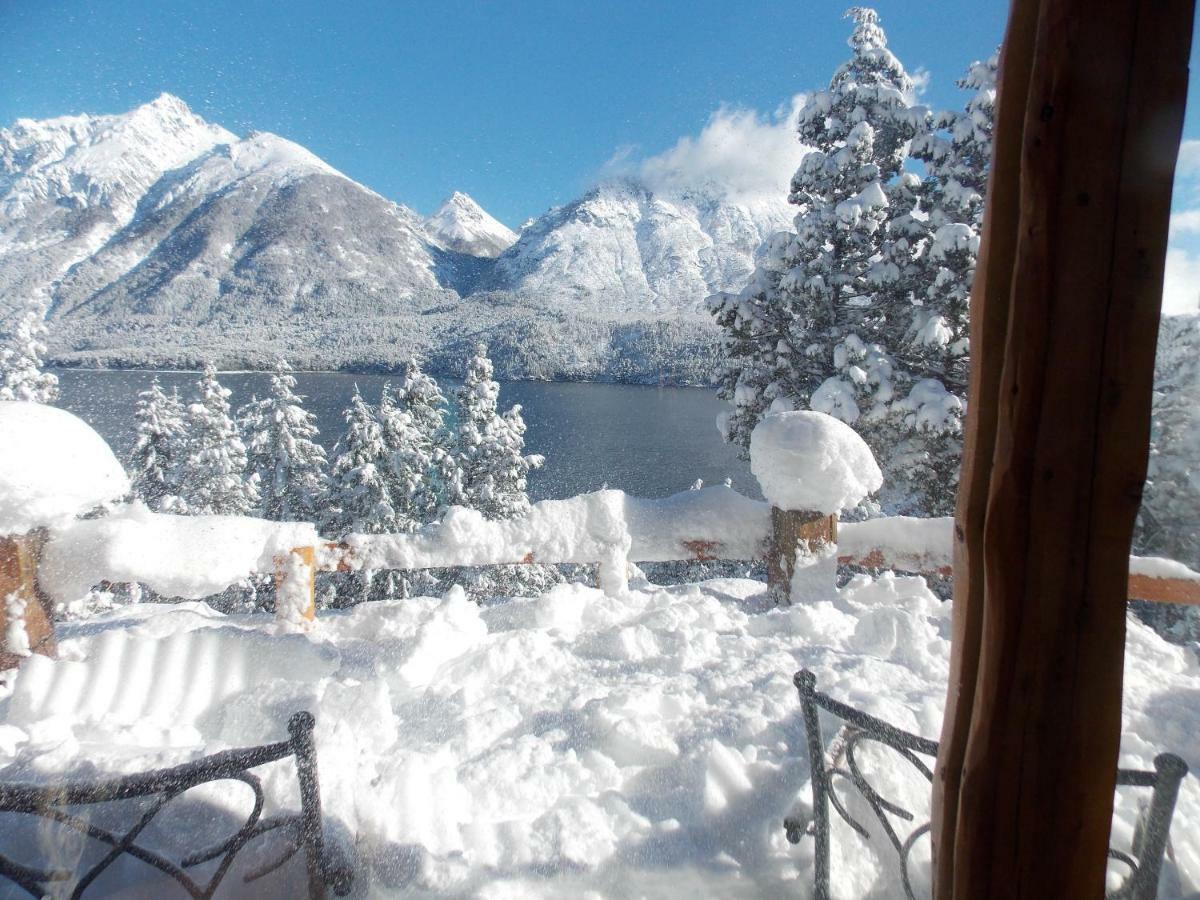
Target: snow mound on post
(53,467)
(811,461)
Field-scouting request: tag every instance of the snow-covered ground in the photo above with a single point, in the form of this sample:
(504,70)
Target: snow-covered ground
(568,745)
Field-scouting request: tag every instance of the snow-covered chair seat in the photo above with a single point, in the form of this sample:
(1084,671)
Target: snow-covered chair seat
(113,832)
(859,729)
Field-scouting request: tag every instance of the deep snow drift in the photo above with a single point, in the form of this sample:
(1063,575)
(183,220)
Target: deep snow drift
(568,745)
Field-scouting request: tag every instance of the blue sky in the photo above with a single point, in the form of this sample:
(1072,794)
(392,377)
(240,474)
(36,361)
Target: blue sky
(522,105)
(518,104)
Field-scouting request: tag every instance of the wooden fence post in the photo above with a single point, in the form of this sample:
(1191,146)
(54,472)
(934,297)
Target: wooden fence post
(19,556)
(295,586)
(790,530)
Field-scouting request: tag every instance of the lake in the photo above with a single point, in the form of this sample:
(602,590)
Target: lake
(647,441)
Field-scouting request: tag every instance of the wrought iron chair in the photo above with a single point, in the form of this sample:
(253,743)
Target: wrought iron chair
(303,830)
(1150,837)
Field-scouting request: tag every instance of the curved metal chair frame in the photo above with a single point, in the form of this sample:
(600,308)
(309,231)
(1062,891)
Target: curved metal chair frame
(303,830)
(1150,836)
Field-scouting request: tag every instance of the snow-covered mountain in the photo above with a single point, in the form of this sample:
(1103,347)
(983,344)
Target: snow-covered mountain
(462,225)
(627,250)
(68,184)
(254,227)
(159,238)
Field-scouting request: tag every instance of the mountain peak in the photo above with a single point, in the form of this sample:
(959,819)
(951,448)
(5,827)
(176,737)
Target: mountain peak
(462,225)
(167,102)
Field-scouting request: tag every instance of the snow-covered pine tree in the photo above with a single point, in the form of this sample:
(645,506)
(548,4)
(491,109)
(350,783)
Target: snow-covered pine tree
(956,149)
(419,396)
(409,466)
(490,452)
(360,496)
(216,479)
(1169,521)
(21,351)
(813,326)
(160,449)
(491,446)
(281,439)
(361,499)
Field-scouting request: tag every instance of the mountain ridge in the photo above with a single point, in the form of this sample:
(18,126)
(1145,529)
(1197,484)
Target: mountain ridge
(155,226)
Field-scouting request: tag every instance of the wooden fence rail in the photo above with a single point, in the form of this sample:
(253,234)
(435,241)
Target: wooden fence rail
(606,528)
(900,543)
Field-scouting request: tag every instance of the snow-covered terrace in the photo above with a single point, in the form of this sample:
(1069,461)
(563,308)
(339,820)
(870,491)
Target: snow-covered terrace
(622,740)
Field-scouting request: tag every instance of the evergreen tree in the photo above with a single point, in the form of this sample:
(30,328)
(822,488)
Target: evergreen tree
(490,448)
(21,352)
(956,149)
(419,396)
(409,464)
(490,453)
(362,501)
(360,496)
(281,438)
(160,449)
(1169,522)
(216,479)
(814,325)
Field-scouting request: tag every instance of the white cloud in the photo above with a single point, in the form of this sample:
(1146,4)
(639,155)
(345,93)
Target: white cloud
(920,79)
(1181,283)
(1189,159)
(1185,221)
(741,152)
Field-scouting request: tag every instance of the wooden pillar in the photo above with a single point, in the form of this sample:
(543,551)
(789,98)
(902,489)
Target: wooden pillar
(19,556)
(296,586)
(1064,324)
(789,530)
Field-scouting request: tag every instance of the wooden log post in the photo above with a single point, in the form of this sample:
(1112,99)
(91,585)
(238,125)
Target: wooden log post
(1064,322)
(19,595)
(295,586)
(797,533)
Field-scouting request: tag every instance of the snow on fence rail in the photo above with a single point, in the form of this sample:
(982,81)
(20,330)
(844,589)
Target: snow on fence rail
(197,556)
(809,465)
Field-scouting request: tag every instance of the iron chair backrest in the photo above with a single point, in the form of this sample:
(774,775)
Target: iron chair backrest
(1150,839)
(304,829)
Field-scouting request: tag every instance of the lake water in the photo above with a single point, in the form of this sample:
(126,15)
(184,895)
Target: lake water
(648,441)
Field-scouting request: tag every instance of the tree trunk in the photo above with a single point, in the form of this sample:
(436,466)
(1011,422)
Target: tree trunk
(1069,285)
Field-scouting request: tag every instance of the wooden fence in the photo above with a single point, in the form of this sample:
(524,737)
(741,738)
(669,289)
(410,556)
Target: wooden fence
(607,528)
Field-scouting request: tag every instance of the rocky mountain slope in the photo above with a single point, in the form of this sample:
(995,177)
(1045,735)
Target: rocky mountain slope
(623,248)
(158,238)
